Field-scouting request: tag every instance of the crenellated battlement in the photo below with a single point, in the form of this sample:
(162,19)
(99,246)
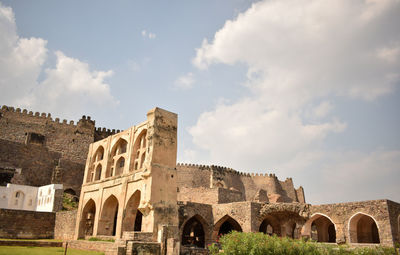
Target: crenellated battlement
(223,169)
(45,117)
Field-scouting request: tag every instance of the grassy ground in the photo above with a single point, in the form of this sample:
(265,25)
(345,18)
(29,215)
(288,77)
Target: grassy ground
(33,240)
(18,250)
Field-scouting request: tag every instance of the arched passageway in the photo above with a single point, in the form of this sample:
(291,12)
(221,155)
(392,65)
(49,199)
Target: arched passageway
(108,219)
(282,223)
(193,233)
(363,229)
(133,217)
(270,226)
(224,226)
(320,228)
(86,223)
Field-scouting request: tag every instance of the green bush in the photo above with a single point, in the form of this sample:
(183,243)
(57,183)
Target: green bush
(237,243)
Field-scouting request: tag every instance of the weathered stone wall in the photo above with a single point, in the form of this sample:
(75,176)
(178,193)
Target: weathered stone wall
(341,214)
(36,162)
(26,224)
(394,214)
(62,144)
(250,185)
(65,225)
(192,176)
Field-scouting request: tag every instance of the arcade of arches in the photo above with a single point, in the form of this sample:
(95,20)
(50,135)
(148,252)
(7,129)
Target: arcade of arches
(107,219)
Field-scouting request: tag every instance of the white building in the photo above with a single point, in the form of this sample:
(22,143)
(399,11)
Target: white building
(22,197)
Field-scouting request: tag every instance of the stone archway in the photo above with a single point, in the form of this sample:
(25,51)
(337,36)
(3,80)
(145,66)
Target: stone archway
(363,229)
(193,233)
(224,226)
(132,220)
(86,223)
(108,218)
(320,228)
(270,225)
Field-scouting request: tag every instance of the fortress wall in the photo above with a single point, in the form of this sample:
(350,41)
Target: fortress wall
(198,195)
(193,176)
(196,176)
(64,137)
(26,224)
(36,162)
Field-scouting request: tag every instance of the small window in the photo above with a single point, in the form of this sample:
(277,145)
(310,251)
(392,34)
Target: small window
(122,162)
(34,138)
(17,194)
(16,202)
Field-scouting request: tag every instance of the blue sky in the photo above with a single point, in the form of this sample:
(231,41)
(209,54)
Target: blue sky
(304,89)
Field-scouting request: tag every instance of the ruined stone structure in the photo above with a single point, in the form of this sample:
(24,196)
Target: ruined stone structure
(133,191)
(36,150)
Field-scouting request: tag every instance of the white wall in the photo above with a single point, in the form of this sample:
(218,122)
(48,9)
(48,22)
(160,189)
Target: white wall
(22,197)
(45,197)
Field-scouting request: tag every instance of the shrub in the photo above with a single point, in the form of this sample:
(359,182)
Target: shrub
(237,243)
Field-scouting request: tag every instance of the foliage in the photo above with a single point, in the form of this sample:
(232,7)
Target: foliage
(69,202)
(99,239)
(19,250)
(237,243)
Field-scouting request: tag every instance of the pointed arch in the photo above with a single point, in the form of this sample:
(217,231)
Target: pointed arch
(363,228)
(108,218)
(86,222)
(193,232)
(120,147)
(97,157)
(139,150)
(320,228)
(224,226)
(132,220)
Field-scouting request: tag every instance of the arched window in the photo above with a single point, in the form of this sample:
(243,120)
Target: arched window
(193,233)
(118,159)
(98,173)
(97,157)
(139,150)
(363,229)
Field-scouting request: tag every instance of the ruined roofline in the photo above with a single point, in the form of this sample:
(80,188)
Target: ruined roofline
(38,115)
(226,169)
(358,202)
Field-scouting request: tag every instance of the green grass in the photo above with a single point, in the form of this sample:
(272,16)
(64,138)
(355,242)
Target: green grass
(33,240)
(18,250)
(96,239)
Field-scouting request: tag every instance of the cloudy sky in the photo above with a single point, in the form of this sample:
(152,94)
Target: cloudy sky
(307,89)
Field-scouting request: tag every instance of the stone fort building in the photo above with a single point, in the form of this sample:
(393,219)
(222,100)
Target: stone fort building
(134,190)
(131,189)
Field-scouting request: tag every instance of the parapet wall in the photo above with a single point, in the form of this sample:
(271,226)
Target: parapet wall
(26,224)
(250,185)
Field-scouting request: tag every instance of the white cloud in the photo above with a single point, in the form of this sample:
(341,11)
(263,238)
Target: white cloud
(322,109)
(64,89)
(299,53)
(185,81)
(150,35)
